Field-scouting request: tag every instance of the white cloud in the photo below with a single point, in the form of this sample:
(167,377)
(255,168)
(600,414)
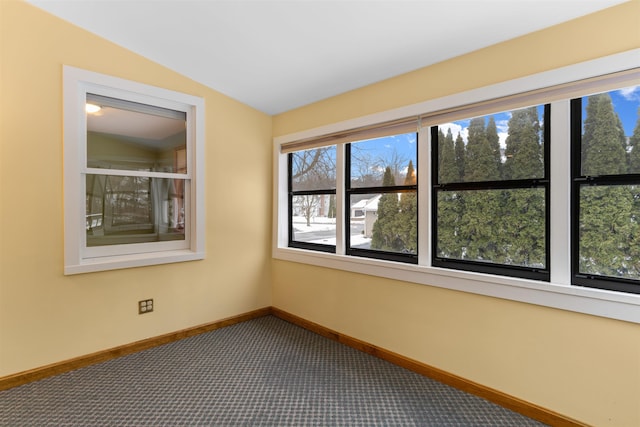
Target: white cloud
(503,139)
(502,126)
(456,129)
(630,93)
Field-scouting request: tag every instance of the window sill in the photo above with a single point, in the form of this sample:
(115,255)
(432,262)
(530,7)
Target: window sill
(89,265)
(596,302)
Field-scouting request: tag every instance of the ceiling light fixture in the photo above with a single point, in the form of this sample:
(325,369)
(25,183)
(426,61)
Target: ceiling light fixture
(92,108)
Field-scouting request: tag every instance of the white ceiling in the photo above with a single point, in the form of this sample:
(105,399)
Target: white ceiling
(276,55)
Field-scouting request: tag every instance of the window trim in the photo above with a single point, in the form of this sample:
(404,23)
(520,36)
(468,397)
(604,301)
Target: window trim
(558,293)
(77,259)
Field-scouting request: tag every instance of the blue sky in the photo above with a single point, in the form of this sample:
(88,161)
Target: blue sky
(402,146)
(502,125)
(626,103)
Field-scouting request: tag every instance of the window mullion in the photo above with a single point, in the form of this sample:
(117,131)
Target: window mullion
(424,197)
(340,200)
(560,238)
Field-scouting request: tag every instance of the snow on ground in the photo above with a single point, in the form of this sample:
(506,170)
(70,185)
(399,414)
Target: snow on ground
(324,224)
(317,224)
(358,240)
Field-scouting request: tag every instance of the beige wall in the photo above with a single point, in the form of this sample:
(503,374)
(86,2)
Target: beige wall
(581,366)
(46,317)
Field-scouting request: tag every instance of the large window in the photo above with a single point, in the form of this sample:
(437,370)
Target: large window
(381,195)
(132,182)
(606,190)
(528,190)
(490,179)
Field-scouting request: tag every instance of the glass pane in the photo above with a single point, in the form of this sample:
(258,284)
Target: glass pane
(127,209)
(128,136)
(314,219)
(502,146)
(393,156)
(387,222)
(314,169)
(611,133)
(494,226)
(609,236)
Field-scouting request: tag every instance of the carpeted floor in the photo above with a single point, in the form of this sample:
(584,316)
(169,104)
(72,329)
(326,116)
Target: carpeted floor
(265,372)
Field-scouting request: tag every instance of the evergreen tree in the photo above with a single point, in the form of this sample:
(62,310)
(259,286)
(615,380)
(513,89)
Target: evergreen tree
(633,268)
(480,161)
(480,224)
(449,204)
(447,169)
(385,235)
(494,143)
(410,178)
(634,167)
(607,224)
(523,211)
(451,242)
(460,156)
(603,141)
(523,148)
(634,144)
(407,218)
(607,230)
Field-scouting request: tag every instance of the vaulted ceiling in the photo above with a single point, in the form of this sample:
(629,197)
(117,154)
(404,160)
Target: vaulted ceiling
(276,55)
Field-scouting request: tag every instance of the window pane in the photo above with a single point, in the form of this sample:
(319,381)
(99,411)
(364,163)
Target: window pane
(611,133)
(126,209)
(371,158)
(314,219)
(129,136)
(313,169)
(502,146)
(387,222)
(494,226)
(609,231)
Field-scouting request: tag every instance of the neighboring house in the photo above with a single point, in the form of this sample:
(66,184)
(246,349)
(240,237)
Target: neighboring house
(366,210)
(357,210)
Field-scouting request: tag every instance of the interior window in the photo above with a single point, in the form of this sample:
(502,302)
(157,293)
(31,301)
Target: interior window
(134,174)
(127,136)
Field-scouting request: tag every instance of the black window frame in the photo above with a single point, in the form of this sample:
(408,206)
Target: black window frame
(291,194)
(541,274)
(579,180)
(408,258)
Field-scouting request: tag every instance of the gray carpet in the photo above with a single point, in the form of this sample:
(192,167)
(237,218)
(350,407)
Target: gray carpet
(265,372)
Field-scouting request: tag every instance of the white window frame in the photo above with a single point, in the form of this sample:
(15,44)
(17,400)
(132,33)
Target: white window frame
(78,258)
(558,293)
